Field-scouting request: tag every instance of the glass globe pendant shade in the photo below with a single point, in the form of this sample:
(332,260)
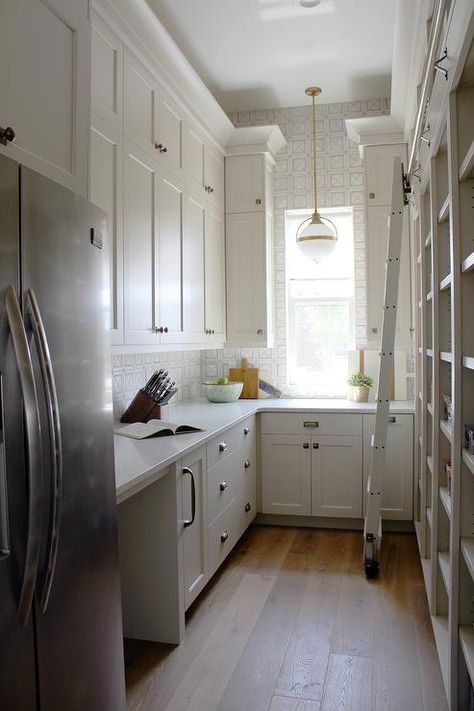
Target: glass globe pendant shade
(316,237)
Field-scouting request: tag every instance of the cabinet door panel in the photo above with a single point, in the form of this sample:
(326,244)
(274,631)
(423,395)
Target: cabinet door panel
(44,86)
(286,475)
(245,271)
(214,275)
(379,162)
(193,269)
(170,131)
(107,72)
(245,183)
(105,190)
(170,257)
(336,476)
(140,98)
(397,481)
(214,175)
(194,157)
(139,247)
(194,537)
(377,240)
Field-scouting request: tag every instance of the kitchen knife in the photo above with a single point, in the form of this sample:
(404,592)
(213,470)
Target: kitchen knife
(168,397)
(166,390)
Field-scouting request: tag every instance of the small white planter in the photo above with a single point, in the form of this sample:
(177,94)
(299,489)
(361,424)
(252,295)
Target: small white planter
(360,393)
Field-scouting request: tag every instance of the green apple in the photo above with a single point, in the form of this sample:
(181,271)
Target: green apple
(222,381)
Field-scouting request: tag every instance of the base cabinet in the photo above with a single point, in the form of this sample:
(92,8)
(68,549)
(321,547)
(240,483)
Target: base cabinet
(311,475)
(397,498)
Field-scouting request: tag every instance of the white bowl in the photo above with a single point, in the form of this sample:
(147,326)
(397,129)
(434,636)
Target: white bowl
(223,393)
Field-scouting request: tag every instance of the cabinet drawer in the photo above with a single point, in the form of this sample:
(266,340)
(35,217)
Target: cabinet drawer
(222,535)
(228,479)
(248,503)
(311,423)
(220,447)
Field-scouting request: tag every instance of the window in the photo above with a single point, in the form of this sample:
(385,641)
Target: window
(321,323)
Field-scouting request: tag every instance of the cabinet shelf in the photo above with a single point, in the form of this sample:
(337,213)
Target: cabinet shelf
(446,356)
(446,429)
(429,461)
(445,500)
(429,352)
(468,460)
(418,259)
(466,637)
(467,548)
(468,362)
(443,214)
(466,169)
(429,296)
(429,516)
(445,568)
(440,626)
(429,407)
(446,282)
(468,263)
(428,240)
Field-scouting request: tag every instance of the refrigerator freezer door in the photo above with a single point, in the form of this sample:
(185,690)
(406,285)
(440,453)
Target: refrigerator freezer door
(79,636)
(17,653)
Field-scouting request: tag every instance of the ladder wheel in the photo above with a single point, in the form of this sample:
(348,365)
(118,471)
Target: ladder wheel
(371,568)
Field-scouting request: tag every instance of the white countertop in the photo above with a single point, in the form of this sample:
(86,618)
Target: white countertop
(139,463)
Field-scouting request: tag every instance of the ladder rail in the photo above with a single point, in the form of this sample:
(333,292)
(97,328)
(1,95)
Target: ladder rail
(372,524)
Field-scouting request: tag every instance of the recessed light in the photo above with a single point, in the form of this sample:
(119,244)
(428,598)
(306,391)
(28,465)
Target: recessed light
(309,3)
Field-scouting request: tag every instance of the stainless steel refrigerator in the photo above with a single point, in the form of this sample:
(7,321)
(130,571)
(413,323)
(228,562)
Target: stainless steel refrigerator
(61,641)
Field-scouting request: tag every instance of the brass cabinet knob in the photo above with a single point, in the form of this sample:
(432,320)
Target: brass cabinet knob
(224,536)
(223,485)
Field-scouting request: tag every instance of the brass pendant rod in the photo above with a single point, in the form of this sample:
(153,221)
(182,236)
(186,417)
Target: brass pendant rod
(314,155)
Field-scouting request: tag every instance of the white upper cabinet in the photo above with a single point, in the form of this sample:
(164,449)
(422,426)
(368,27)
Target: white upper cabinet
(379,169)
(194,151)
(107,73)
(106,191)
(245,187)
(214,175)
(193,267)
(249,251)
(214,251)
(151,118)
(204,166)
(44,87)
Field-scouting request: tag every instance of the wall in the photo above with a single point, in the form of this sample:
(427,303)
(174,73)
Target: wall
(340,175)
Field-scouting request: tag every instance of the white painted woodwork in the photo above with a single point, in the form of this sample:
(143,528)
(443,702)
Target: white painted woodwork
(140,239)
(194,156)
(286,474)
(170,131)
(245,183)
(194,537)
(151,562)
(106,191)
(214,279)
(193,267)
(169,257)
(397,481)
(107,73)
(223,534)
(45,87)
(379,163)
(246,273)
(140,101)
(377,240)
(214,175)
(336,476)
(311,423)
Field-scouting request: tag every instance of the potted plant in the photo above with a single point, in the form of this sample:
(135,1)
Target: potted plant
(360,385)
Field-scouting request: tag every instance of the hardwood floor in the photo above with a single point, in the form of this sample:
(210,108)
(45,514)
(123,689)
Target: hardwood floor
(289,623)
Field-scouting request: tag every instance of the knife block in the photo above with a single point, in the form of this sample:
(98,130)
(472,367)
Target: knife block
(141,409)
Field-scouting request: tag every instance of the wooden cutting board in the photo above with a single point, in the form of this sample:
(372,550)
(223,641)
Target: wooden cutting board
(247,376)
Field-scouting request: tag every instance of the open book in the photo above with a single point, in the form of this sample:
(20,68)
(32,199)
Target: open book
(154,428)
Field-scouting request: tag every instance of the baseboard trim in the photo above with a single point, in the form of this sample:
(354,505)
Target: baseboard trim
(348,524)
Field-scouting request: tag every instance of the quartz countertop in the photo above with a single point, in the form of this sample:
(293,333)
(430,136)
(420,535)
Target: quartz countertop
(139,463)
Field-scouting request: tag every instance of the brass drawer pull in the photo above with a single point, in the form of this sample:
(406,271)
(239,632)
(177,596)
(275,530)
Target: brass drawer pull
(305,445)
(392,419)
(310,423)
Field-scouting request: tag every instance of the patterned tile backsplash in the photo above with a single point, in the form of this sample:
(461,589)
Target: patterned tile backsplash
(132,370)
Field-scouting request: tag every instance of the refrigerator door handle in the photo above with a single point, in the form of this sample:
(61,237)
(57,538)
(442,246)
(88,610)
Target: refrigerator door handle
(34,452)
(55,442)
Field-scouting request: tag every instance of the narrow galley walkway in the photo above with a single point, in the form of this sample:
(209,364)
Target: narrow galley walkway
(289,623)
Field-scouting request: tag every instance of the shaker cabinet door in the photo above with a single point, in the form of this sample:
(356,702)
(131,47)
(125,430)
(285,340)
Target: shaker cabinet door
(336,476)
(44,87)
(194,535)
(286,475)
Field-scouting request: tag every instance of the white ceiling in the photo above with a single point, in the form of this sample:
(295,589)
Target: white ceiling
(256,54)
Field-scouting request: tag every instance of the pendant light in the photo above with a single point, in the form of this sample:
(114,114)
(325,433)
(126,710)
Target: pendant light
(316,236)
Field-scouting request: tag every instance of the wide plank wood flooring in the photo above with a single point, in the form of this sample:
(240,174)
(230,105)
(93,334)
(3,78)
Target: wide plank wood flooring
(289,623)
